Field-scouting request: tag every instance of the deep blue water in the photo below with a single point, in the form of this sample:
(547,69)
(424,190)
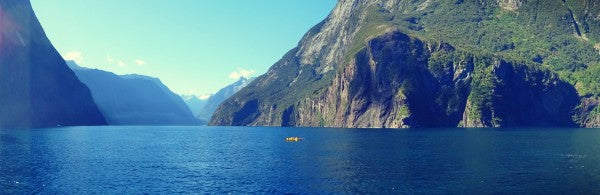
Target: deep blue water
(257,160)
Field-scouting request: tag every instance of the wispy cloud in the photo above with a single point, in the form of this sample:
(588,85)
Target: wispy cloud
(121,63)
(140,62)
(241,72)
(74,55)
(204,97)
(109,59)
(198,94)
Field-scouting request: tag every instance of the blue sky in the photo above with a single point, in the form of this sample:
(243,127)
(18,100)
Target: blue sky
(193,46)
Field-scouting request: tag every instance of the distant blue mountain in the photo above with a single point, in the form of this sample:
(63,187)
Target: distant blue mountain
(213,102)
(37,89)
(194,103)
(134,99)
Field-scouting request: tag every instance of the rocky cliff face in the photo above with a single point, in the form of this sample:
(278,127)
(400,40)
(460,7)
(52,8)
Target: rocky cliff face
(399,81)
(395,63)
(37,89)
(588,113)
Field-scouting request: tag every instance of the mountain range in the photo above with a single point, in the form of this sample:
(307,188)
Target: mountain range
(37,89)
(424,63)
(203,109)
(370,63)
(134,99)
(194,102)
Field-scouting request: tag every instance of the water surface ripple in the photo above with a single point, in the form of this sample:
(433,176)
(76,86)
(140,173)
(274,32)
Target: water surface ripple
(258,160)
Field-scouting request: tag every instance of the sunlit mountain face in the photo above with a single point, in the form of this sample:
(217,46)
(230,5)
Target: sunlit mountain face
(400,64)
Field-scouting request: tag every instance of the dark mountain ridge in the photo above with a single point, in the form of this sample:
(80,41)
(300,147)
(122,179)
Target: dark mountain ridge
(37,89)
(134,99)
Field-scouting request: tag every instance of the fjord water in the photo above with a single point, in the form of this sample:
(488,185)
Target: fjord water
(258,160)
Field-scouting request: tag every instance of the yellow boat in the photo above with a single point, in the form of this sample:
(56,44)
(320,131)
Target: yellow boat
(293,139)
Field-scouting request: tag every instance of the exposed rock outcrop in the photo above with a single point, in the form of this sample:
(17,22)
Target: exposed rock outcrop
(588,113)
(510,5)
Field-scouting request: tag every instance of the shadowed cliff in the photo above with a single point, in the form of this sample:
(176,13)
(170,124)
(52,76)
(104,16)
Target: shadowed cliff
(37,89)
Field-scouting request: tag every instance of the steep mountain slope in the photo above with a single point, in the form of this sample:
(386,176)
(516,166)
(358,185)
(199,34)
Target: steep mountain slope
(134,99)
(37,89)
(421,63)
(194,103)
(213,102)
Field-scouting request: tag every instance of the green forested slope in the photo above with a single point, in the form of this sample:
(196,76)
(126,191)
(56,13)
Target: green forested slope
(505,54)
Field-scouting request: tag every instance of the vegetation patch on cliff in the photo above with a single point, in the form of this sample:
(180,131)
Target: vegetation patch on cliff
(456,52)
